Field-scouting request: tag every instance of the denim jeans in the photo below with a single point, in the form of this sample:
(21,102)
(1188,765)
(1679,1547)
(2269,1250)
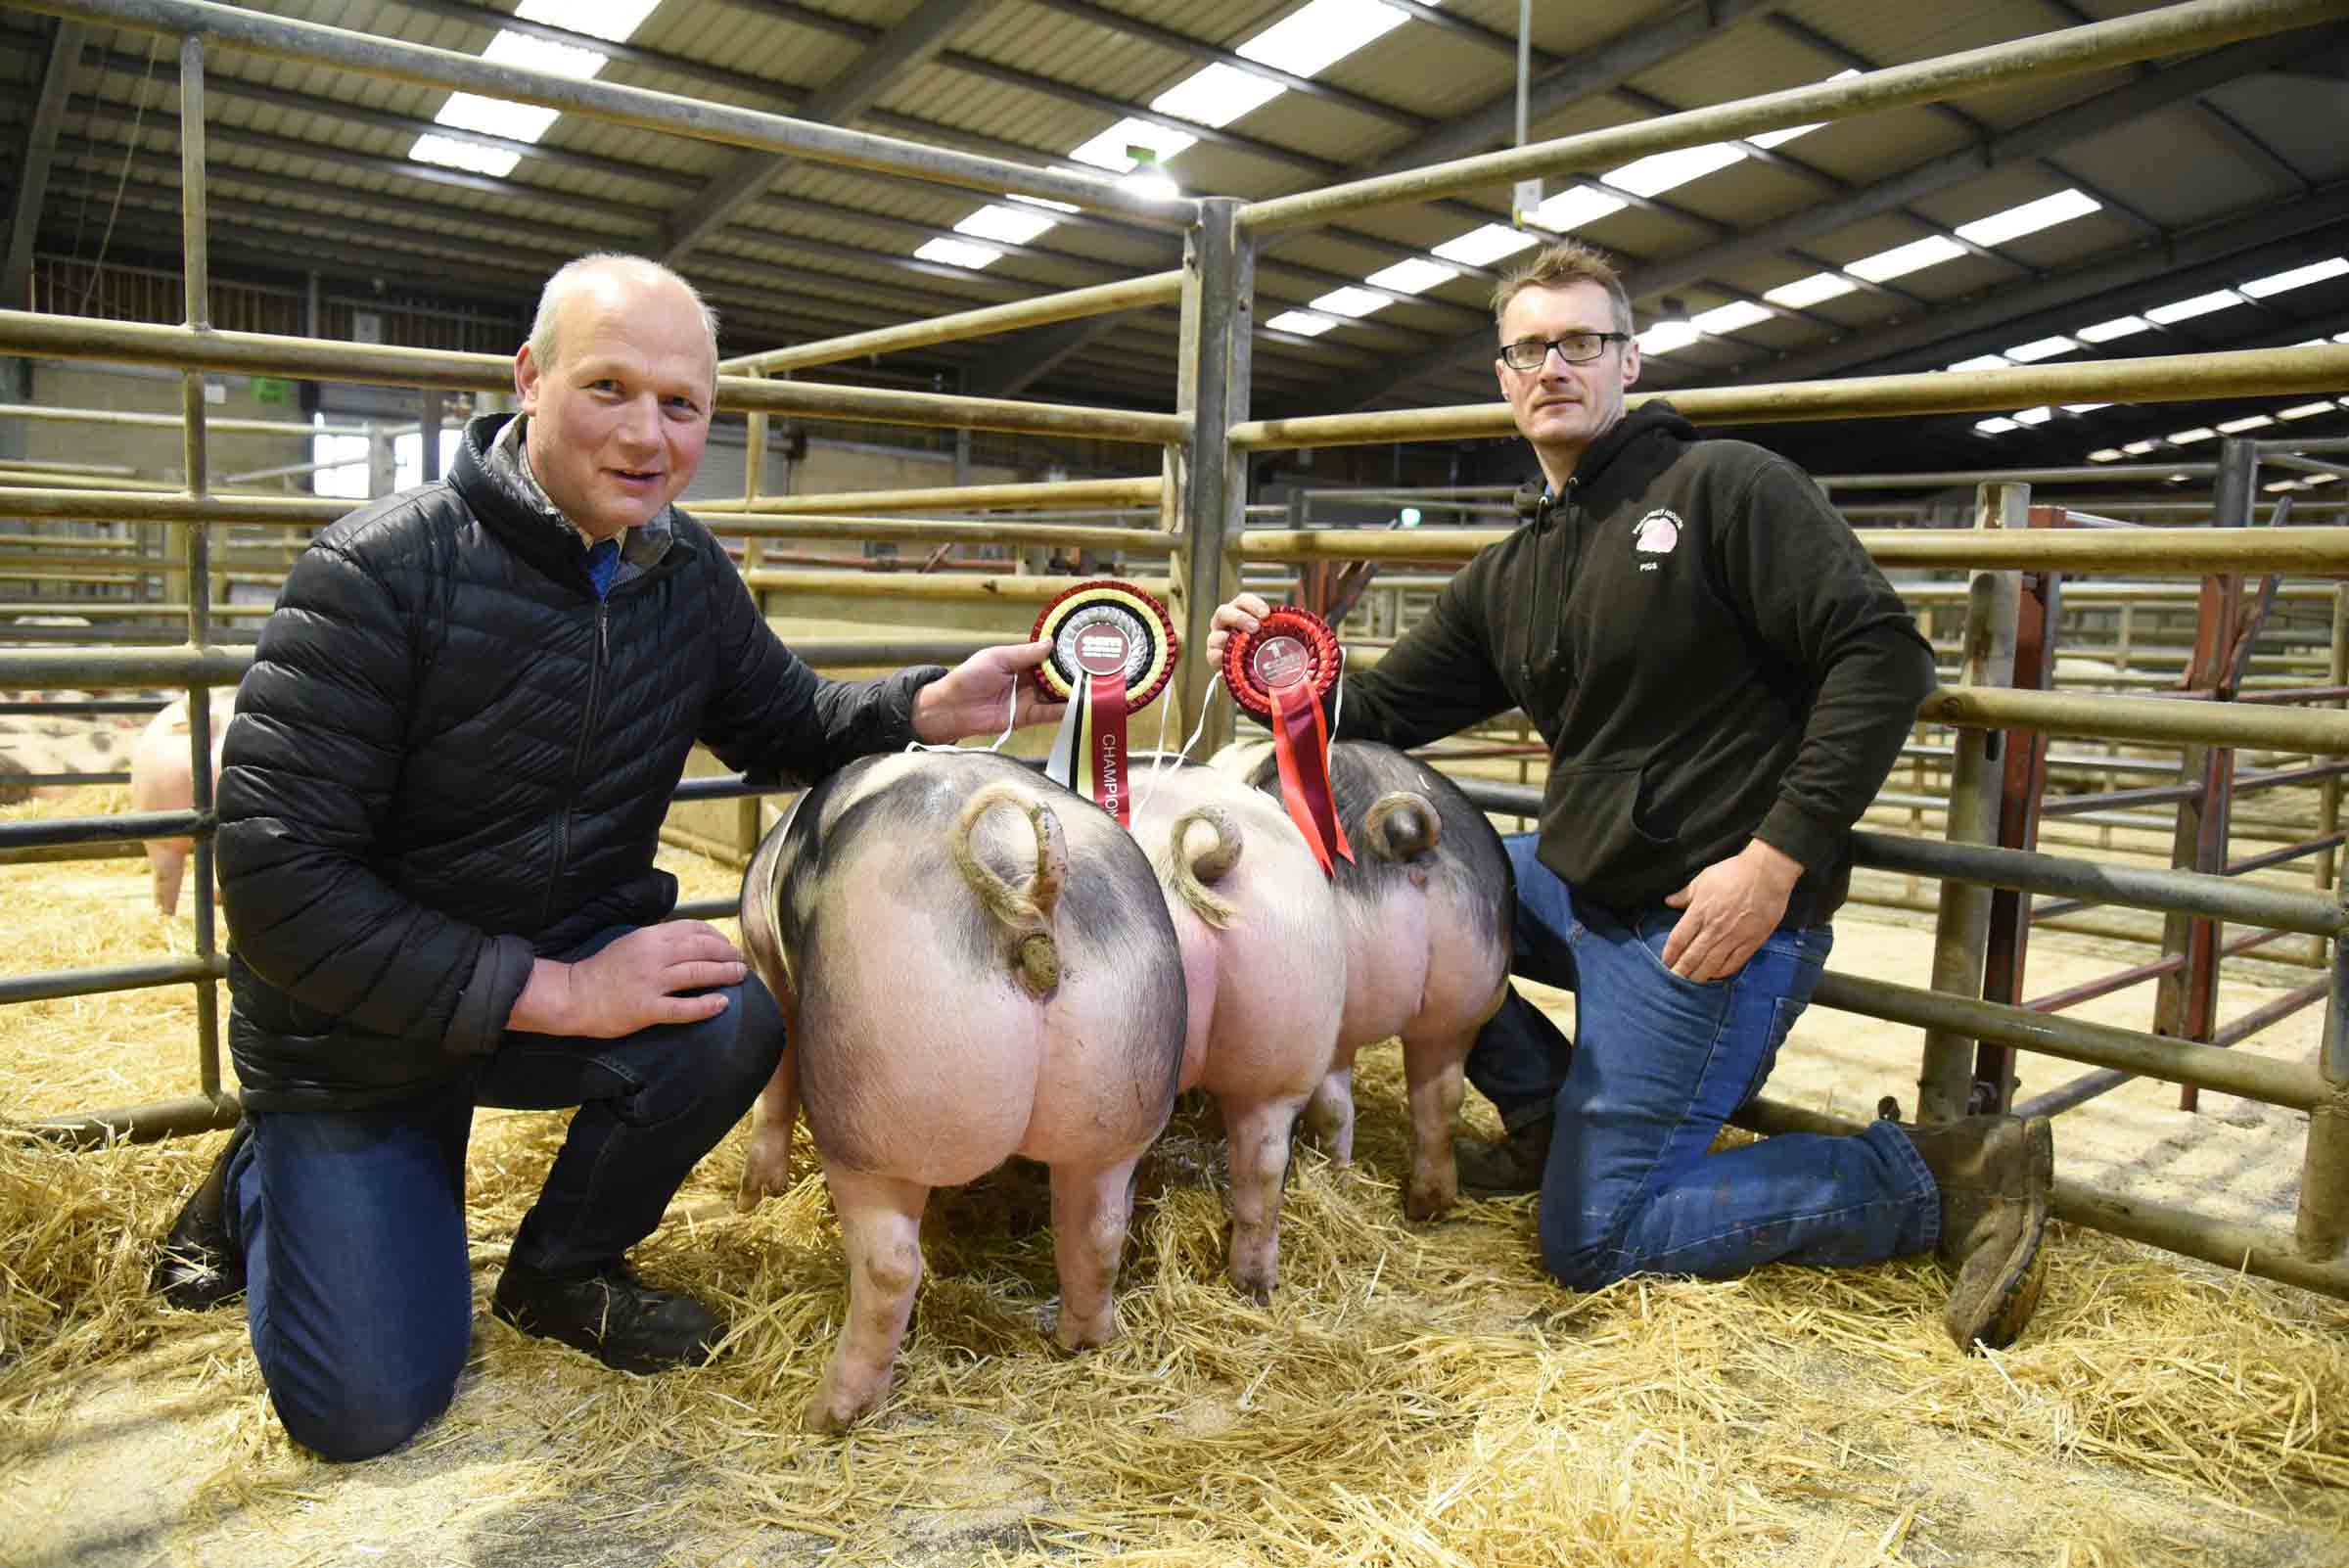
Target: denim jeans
(359,1290)
(1663,1061)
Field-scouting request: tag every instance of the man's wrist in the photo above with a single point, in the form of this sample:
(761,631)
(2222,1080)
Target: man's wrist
(1783,870)
(545,1005)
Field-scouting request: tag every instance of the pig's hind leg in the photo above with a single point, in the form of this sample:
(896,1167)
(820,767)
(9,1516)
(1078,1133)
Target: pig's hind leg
(1259,1134)
(880,1231)
(1329,1114)
(1091,1208)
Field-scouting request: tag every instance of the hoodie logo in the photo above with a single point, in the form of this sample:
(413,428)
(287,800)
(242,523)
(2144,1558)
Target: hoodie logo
(1657,534)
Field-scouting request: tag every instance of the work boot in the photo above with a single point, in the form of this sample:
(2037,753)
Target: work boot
(1996,1174)
(609,1313)
(201,1265)
(1514,1163)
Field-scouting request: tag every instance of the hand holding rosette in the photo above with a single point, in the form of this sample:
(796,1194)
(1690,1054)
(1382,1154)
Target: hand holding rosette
(1280,672)
(1113,650)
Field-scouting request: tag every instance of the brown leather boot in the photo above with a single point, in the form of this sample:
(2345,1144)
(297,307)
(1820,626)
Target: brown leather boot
(1997,1175)
(1514,1163)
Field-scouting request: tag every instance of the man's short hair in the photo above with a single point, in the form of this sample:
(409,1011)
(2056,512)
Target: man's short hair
(1561,266)
(544,345)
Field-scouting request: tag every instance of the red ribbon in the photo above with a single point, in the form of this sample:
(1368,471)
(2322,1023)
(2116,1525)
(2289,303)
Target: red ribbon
(1104,761)
(1300,744)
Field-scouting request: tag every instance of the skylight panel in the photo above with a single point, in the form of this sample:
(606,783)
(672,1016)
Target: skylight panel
(1046,202)
(1301,323)
(1667,336)
(2202,304)
(1804,292)
(614,20)
(2037,348)
(1115,148)
(1984,362)
(496,117)
(2309,482)
(2109,455)
(1902,259)
(1352,301)
(449,152)
(2140,448)
(2034,416)
(1415,276)
(2117,327)
(1008,225)
(2236,427)
(2305,410)
(958,253)
(2297,277)
(539,54)
(1996,427)
(1216,95)
(1574,207)
(1483,247)
(1661,171)
(2028,218)
(2187,438)
(2083,408)
(1734,316)
(1309,40)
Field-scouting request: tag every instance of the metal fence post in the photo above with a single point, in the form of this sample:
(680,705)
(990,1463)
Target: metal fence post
(1945,1074)
(1218,309)
(197,274)
(2186,1006)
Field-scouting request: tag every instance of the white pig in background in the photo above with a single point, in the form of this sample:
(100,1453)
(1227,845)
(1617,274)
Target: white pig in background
(1427,907)
(160,781)
(973,963)
(1258,924)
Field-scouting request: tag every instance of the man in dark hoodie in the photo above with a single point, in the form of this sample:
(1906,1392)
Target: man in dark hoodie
(1723,679)
(440,803)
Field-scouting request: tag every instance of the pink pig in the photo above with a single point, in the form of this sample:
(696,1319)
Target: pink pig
(1426,910)
(973,963)
(1257,925)
(161,781)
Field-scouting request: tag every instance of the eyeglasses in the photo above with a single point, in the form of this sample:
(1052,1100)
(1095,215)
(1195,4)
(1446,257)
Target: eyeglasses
(1575,349)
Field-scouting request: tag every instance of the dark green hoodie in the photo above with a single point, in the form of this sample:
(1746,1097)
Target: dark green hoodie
(1706,648)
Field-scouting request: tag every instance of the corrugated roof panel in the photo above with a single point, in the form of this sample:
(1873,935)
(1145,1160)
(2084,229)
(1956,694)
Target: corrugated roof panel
(2300,117)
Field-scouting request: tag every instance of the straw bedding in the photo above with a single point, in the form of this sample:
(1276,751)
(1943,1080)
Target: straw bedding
(1413,1395)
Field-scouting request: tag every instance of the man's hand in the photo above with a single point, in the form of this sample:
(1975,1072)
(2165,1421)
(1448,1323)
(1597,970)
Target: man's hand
(1727,909)
(633,984)
(973,697)
(1241,613)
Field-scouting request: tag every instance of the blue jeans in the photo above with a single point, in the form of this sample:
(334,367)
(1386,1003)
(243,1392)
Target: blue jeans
(359,1290)
(1663,1061)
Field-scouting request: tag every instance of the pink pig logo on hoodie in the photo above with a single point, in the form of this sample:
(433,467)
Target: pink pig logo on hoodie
(1657,534)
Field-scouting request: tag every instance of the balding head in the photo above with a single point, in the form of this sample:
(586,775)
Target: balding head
(600,272)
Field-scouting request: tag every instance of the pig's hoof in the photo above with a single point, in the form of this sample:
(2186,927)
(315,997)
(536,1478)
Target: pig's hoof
(1427,1204)
(1072,1335)
(829,1412)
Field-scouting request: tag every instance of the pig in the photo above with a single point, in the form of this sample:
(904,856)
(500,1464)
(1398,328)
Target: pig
(1258,924)
(1427,909)
(972,963)
(161,781)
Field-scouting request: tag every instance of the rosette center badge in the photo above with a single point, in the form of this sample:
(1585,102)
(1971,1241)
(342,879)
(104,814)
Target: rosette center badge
(1113,651)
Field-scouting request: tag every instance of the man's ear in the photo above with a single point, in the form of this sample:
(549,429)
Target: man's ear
(1501,374)
(1630,364)
(526,379)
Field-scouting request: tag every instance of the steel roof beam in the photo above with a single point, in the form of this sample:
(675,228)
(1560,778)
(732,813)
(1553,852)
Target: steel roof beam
(2031,140)
(33,163)
(904,47)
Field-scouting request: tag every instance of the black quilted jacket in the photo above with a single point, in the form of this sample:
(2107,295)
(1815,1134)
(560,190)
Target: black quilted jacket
(449,757)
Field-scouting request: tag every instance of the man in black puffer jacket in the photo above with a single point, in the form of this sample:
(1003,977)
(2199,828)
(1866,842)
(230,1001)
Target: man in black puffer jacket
(440,803)
(1723,679)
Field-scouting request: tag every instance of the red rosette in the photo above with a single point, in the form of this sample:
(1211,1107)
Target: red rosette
(1102,627)
(1288,647)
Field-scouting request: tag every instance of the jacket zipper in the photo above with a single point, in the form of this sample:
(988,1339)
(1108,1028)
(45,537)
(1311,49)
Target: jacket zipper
(1548,517)
(579,759)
